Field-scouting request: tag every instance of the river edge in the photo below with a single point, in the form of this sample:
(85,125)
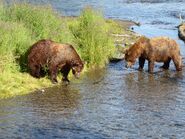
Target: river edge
(126,38)
(122,41)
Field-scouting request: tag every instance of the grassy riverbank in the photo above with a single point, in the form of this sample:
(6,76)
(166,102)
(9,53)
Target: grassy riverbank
(21,25)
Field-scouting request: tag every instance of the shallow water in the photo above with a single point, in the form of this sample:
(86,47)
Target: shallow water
(114,102)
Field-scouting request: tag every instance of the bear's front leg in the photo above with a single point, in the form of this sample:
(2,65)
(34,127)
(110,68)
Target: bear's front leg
(65,73)
(141,63)
(178,62)
(150,66)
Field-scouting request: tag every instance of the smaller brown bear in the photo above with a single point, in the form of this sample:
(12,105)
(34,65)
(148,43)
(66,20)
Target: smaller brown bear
(158,49)
(55,56)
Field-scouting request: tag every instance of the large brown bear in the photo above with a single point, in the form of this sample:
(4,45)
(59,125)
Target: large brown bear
(55,56)
(159,49)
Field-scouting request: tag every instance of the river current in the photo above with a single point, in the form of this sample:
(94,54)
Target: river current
(112,103)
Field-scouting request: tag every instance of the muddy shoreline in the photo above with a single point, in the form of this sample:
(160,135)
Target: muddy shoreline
(125,39)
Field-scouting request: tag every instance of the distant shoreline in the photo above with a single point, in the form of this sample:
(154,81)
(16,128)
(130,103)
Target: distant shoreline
(123,22)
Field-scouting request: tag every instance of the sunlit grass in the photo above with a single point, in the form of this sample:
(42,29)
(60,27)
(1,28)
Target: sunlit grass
(12,84)
(91,33)
(21,25)
(43,21)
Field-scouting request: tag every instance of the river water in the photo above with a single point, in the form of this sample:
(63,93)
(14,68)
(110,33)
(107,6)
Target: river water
(114,102)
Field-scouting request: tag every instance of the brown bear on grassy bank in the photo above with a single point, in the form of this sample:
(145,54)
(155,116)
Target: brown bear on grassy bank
(55,56)
(159,49)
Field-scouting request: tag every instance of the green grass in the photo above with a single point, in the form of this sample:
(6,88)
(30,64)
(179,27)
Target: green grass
(42,21)
(91,35)
(21,25)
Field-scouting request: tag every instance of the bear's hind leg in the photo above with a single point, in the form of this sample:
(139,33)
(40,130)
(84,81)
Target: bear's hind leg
(166,64)
(53,70)
(178,62)
(141,63)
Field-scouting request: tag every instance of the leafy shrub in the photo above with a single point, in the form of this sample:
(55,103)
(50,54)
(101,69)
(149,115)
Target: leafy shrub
(41,20)
(92,38)
(21,25)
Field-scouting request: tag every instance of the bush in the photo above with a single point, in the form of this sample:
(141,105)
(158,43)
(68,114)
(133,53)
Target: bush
(41,20)
(15,38)
(21,25)
(92,38)
(14,41)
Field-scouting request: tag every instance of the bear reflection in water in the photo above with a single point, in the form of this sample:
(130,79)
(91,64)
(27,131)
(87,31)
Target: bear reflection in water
(159,49)
(56,57)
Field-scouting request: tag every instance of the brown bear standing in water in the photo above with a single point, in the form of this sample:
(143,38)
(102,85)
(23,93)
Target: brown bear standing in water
(159,49)
(181,31)
(57,57)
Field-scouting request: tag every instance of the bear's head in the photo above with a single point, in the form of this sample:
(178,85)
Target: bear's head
(135,51)
(77,68)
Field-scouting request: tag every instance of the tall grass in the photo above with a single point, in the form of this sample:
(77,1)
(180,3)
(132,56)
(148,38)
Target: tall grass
(15,38)
(43,21)
(21,25)
(92,38)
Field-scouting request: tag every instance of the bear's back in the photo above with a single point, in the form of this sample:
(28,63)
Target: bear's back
(64,51)
(39,52)
(164,43)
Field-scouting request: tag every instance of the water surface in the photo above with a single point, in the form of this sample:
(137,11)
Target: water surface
(114,102)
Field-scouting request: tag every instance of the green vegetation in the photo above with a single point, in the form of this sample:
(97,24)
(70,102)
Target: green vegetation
(91,33)
(22,24)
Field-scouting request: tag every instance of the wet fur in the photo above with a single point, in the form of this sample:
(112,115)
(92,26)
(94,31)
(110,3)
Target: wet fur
(159,49)
(181,31)
(55,56)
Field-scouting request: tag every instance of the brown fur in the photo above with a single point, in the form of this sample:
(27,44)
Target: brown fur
(181,31)
(56,56)
(159,49)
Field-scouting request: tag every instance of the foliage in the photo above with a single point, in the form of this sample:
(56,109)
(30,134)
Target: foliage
(91,33)
(21,25)
(43,21)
